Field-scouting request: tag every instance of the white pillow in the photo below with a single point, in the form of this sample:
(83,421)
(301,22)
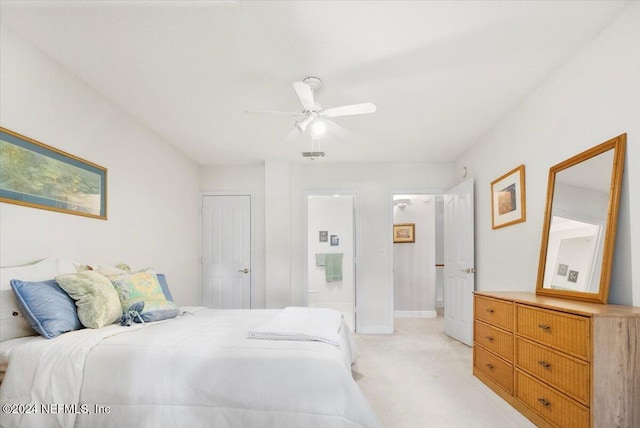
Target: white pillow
(38,271)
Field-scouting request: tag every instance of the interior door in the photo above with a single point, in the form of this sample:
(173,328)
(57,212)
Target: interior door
(459,270)
(226,252)
(331,233)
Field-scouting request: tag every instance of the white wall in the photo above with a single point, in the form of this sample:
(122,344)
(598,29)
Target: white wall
(152,188)
(595,96)
(414,271)
(277,220)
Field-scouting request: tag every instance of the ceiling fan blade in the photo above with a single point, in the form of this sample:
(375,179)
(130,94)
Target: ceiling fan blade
(336,129)
(293,134)
(281,113)
(305,94)
(349,110)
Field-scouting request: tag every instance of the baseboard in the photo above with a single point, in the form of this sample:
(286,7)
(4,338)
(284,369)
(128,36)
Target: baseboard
(375,329)
(415,314)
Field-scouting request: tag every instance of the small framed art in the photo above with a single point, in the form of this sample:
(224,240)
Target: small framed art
(508,199)
(404,233)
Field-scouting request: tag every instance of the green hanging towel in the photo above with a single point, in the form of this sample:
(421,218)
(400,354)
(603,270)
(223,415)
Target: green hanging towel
(333,269)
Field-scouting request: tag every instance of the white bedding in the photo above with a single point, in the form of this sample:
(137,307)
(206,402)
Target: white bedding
(293,323)
(197,370)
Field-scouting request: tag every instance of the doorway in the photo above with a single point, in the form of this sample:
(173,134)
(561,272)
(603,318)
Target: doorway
(330,253)
(226,251)
(416,260)
(455,262)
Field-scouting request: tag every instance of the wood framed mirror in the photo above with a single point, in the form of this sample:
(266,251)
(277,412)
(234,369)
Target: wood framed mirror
(581,217)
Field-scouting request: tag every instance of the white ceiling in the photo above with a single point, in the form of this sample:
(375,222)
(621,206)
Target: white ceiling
(442,73)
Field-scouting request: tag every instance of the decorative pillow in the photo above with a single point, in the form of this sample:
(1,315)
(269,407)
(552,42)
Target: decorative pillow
(96,299)
(144,287)
(108,270)
(165,287)
(49,310)
(13,323)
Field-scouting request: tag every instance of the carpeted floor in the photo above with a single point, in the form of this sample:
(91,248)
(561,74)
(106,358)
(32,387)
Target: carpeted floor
(419,377)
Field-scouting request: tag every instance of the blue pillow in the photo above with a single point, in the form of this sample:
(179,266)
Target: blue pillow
(165,287)
(47,307)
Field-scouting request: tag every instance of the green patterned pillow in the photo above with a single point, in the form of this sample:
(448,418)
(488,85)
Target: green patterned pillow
(96,299)
(144,287)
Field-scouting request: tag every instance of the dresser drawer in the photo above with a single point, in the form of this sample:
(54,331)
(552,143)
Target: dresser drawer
(498,370)
(569,333)
(494,339)
(570,375)
(550,404)
(493,311)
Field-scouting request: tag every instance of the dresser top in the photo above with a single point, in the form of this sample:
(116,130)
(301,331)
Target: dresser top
(573,306)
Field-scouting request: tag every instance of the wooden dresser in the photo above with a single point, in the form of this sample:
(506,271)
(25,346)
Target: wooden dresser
(561,363)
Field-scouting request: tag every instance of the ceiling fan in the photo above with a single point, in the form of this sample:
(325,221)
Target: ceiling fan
(313,116)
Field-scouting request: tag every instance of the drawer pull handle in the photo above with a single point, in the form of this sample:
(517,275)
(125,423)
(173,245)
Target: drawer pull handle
(544,364)
(490,366)
(544,327)
(490,311)
(544,402)
(489,338)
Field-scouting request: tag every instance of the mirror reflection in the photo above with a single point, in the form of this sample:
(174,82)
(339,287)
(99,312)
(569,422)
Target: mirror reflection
(578,236)
(578,218)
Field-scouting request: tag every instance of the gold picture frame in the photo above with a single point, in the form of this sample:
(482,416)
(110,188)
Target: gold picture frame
(404,233)
(36,175)
(508,200)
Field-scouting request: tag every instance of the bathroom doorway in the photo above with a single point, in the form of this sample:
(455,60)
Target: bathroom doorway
(330,253)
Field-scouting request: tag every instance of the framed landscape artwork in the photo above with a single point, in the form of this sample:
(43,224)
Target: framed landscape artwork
(508,199)
(40,176)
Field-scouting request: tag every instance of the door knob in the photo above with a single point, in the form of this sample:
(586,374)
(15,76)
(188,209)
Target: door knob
(245,270)
(468,270)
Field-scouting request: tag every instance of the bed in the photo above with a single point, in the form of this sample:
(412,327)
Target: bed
(199,369)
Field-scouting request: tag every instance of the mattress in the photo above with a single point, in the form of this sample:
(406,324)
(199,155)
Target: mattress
(198,370)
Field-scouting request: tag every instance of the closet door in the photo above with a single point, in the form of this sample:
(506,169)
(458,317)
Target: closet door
(226,252)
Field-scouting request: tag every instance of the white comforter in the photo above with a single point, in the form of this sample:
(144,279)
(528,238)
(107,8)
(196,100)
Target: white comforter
(197,370)
(293,323)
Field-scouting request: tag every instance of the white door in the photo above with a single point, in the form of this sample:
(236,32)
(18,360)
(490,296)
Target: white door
(331,233)
(226,252)
(459,270)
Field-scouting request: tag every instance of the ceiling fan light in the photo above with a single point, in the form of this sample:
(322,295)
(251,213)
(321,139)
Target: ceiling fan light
(302,124)
(318,129)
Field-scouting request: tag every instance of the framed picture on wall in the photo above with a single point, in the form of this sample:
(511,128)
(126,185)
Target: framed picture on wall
(508,199)
(335,240)
(40,176)
(562,269)
(404,233)
(323,236)
(573,276)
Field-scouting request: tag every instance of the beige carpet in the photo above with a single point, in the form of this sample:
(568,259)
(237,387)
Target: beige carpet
(419,377)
